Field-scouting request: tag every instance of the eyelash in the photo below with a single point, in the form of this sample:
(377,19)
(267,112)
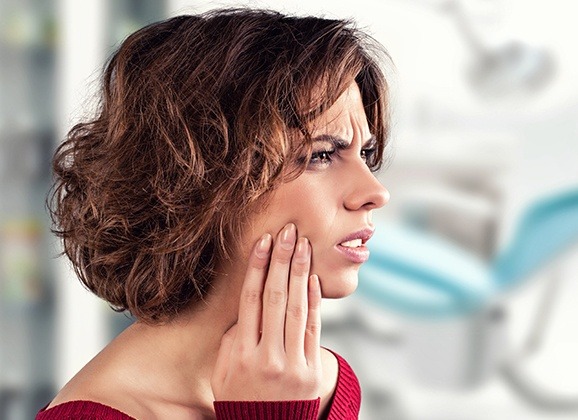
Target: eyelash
(324,157)
(368,153)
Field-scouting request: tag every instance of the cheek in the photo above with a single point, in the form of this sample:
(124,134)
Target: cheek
(318,223)
(305,202)
(311,203)
(313,206)
(315,210)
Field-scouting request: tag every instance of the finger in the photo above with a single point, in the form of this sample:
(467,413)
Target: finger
(223,357)
(296,316)
(250,305)
(276,287)
(313,328)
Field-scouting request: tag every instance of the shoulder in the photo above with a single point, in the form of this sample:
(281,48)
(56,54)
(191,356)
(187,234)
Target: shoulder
(105,382)
(91,399)
(346,396)
(82,410)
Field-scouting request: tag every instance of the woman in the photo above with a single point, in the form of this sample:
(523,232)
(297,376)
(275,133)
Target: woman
(224,187)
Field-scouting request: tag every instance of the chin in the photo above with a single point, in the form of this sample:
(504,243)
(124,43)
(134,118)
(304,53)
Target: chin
(333,287)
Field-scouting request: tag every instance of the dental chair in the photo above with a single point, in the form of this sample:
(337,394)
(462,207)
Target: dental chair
(452,301)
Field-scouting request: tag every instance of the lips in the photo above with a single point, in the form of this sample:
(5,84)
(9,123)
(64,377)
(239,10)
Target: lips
(358,238)
(353,248)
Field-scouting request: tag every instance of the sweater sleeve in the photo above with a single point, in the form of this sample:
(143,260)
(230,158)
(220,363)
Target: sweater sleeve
(267,410)
(82,410)
(345,403)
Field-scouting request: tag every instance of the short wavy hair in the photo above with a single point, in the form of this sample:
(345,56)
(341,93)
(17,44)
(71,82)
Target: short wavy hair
(200,117)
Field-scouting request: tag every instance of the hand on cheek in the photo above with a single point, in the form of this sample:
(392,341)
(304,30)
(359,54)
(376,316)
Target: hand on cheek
(273,352)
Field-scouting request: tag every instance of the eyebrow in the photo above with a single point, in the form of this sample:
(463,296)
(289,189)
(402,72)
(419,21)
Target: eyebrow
(340,143)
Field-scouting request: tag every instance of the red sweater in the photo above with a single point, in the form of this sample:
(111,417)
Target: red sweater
(343,406)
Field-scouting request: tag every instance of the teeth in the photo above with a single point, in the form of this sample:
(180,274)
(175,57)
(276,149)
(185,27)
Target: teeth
(352,244)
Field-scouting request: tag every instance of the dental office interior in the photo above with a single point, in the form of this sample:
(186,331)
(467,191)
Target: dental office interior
(466,309)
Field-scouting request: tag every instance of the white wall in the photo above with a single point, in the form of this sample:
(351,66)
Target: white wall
(529,141)
(523,145)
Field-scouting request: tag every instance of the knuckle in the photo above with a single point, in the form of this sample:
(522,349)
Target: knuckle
(313,328)
(296,377)
(281,256)
(306,380)
(314,304)
(273,368)
(302,375)
(297,312)
(276,296)
(259,263)
(242,360)
(251,296)
(299,269)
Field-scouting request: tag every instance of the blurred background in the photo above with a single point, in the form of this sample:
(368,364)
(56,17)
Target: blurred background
(485,123)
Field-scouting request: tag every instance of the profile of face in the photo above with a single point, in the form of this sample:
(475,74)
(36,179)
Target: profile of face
(331,203)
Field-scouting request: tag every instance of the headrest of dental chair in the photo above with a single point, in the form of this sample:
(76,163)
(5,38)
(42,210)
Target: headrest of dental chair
(547,228)
(421,274)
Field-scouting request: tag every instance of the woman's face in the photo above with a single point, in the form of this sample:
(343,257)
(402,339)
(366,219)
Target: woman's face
(332,201)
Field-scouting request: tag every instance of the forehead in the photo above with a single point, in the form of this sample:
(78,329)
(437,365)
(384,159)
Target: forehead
(345,117)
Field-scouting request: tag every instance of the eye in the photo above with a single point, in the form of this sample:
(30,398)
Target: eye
(368,153)
(322,157)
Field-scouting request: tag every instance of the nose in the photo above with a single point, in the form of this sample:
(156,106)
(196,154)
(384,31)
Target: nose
(365,190)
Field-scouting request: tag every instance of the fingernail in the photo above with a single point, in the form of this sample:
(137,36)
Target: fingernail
(302,251)
(314,284)
(288,236)
(264,246)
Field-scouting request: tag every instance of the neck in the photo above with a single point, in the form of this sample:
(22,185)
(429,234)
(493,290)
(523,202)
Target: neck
(180,355)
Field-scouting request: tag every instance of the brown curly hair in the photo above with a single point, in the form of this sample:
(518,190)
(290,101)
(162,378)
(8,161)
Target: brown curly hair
(198,121)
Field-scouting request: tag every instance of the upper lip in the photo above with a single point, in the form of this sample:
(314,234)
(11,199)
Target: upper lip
(363,234)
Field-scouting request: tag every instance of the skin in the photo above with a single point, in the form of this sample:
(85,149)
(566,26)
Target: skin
(335,197)
(257,335)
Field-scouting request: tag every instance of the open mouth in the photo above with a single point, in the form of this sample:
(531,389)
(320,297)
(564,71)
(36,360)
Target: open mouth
(353,247)
(355,243)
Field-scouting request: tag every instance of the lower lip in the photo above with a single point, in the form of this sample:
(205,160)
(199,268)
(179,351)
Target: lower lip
(357,255)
